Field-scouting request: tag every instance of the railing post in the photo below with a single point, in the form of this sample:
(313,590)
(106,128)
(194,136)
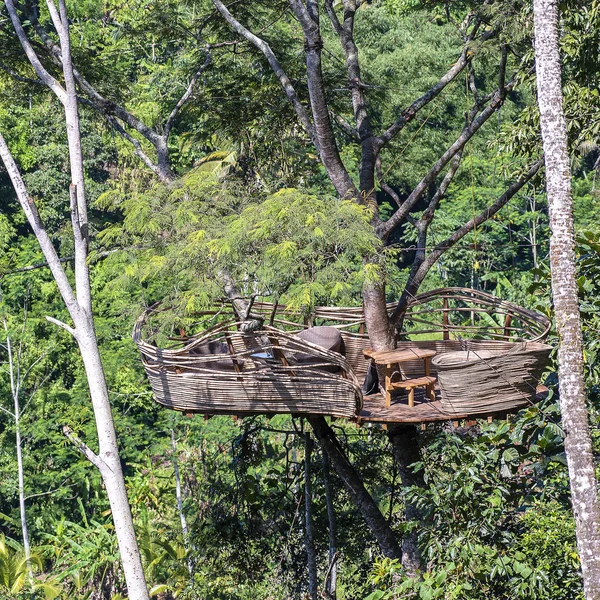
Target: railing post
(507,322)
(445,319)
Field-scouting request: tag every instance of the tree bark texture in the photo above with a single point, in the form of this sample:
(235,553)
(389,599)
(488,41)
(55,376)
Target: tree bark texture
(405,448)
(15,387)
(376,522)
(578,446)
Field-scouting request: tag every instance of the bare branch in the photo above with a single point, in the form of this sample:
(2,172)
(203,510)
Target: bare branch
(275,65)
(20,78)
(62,325)
(33,217)
(345,126)
(86,450)
(186,96)
(61,486)
(425,265)
(384,186)
(137,147)
(408,114)
(442,188)
(467,133)
(4,410)
(40,70)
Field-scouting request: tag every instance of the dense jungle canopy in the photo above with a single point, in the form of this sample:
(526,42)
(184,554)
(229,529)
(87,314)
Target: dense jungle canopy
(323,153)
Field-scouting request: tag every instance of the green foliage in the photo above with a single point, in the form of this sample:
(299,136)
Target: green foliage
(251,198)
(297,247)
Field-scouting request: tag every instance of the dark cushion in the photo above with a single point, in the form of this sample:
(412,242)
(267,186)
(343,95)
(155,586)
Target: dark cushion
(329,338)
(220,364)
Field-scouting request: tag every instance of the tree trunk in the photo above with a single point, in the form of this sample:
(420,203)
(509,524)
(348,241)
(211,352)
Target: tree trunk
(405,449)
(78,301)
(376,522)
(331,579)
(110,463)
(179,499)
(578,446)
(311,559)
(15,388)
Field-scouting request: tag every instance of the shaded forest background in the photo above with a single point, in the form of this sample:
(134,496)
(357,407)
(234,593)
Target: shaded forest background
(246,189)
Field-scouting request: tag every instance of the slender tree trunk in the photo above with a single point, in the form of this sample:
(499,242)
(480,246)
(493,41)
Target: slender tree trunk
(24,529)
(15,388)
(110,463)
(405,449)
(578,446)
(331,580)
(376,522)
(78,300)
(179,498)
(311,558)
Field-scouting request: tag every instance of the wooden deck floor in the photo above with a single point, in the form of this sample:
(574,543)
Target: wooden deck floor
(424,411)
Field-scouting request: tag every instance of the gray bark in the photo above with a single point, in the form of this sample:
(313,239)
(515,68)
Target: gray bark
(78,301)
(179,499)
(405,448)
(311,558)
(15,388)
(331,579)
(578,446)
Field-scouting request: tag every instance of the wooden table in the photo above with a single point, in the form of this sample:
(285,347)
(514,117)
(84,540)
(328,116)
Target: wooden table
(397,357)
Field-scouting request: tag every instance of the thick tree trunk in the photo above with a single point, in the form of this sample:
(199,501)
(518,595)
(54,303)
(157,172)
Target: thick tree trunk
(376,522)
(405,449)
(381,334)
(578,446)
(311,559)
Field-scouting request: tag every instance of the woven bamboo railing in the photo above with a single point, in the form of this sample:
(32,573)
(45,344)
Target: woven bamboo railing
(257,374)
(239,381)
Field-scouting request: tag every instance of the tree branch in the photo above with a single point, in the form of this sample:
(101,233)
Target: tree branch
(20,78)
(186,96)
(419,275)
(86,451)
(408,114)
(41,72)
(275,65)
(62,325)
(330,157)
(467,133)
(33,217)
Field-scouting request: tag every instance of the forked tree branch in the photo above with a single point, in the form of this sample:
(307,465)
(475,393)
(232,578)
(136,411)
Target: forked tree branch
(112,111)
(409,113)
(86,450)
(40,70)
(35,222)
(419,275)
(467,133)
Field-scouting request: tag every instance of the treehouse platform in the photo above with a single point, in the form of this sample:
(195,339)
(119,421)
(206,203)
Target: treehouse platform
(461,354)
